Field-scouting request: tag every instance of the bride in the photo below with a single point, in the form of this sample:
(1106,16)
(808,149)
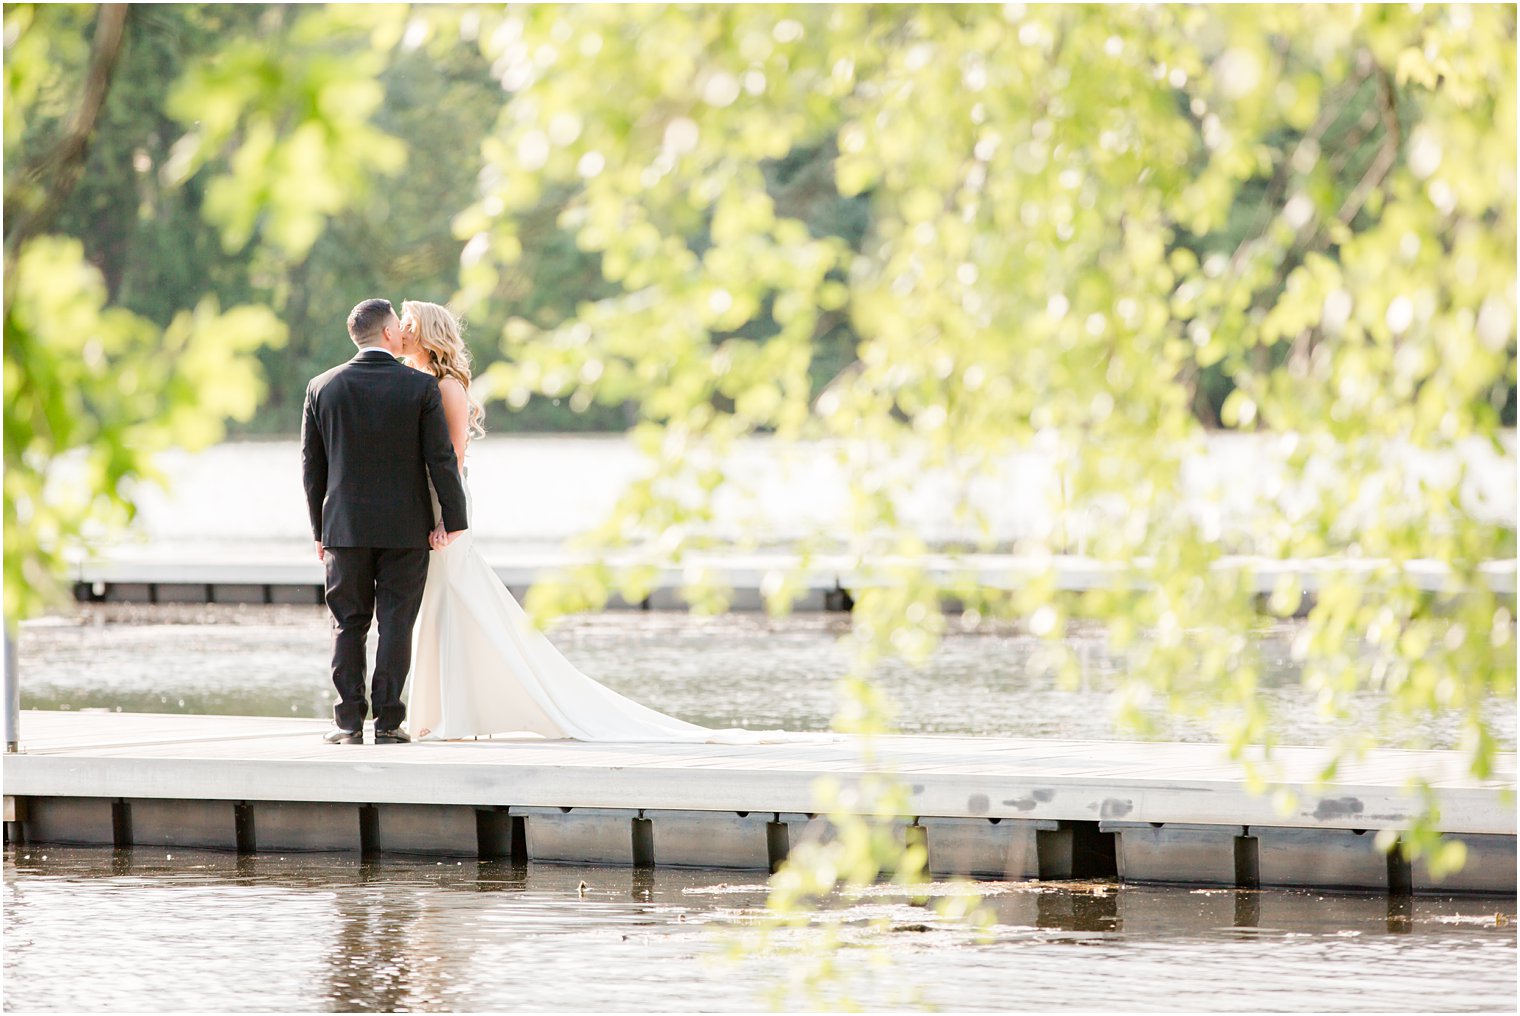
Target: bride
(479,666)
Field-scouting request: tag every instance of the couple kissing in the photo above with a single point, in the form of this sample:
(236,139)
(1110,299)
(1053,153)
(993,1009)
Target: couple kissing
(383,447)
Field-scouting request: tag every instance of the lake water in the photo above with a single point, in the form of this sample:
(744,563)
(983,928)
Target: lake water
(742,670)
(99,929)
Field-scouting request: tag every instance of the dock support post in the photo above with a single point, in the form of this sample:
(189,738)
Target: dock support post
(1400,874)
(1053,853)
(1078,849)
(12,692)
(15,817)
(494,828)
(242,824)
(643,843)
(1247,861)
(777,843)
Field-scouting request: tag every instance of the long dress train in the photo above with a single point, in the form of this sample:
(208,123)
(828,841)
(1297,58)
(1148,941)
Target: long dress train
(479,666)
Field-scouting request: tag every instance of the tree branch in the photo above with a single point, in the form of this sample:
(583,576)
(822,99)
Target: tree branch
(1312,235)
(34,200)
(1393,137)
(1330,112)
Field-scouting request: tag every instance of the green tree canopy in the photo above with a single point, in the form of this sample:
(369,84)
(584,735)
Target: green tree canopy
(1075,216)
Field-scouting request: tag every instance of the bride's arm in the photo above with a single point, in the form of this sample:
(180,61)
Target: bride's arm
(456,412)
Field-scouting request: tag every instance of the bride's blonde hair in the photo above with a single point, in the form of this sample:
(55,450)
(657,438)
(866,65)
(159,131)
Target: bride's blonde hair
(438,332)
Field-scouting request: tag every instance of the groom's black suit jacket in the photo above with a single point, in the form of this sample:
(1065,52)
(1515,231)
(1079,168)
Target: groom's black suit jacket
(372,433)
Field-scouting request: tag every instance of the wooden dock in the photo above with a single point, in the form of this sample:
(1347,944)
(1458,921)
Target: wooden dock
(985,807)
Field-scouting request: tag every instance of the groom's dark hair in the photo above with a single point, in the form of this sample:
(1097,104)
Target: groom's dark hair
(367,319)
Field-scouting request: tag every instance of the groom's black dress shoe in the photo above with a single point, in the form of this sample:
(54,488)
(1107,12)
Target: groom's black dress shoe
(391,737)
(338,735)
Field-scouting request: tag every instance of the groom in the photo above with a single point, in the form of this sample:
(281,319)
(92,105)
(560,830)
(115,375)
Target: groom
(372,433)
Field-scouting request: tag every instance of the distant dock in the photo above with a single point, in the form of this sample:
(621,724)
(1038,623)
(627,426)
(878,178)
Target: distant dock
(285,574)
(983,807)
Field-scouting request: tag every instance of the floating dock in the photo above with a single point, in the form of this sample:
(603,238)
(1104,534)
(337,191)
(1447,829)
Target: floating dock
(828,582)
(983,807)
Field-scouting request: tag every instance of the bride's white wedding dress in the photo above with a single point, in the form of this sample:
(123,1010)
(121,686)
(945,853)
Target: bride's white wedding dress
(479,666)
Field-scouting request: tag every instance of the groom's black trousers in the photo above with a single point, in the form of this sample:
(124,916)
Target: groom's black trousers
(363,582)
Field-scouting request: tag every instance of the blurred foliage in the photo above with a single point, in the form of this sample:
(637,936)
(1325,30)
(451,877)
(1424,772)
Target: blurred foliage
(92,392)
(92,389)
(1091,228)
(256,152)
(164,211)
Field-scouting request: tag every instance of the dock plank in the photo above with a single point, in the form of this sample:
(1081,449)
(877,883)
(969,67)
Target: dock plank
(136,755)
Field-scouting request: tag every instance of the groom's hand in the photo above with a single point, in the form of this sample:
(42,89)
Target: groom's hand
(319,551)
(440,537)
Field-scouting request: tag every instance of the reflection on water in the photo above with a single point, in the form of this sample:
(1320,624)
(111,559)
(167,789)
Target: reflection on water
(194,930)
(742,670)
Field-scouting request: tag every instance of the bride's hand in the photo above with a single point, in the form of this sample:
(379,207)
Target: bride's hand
(438,538)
